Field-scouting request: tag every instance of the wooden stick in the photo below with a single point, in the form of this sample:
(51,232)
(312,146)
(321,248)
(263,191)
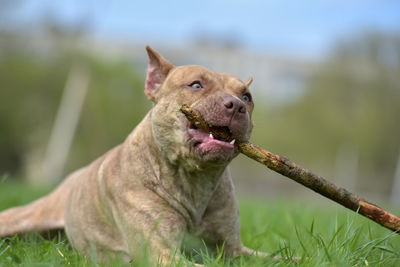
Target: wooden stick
(301,175)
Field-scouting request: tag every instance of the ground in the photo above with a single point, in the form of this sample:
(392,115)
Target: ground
(322,236)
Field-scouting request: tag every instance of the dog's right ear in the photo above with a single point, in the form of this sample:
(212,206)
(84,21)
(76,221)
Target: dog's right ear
(157,71)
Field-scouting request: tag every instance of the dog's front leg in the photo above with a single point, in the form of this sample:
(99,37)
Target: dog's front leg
(220,224)
(150,227)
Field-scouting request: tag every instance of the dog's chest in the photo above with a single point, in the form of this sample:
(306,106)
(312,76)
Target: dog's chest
(192,192)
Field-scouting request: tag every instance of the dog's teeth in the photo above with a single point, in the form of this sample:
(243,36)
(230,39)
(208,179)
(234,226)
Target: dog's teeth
(211,136)
(232,142)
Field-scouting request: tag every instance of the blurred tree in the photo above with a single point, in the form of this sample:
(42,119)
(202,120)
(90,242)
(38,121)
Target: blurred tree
(352,99)
(31,83)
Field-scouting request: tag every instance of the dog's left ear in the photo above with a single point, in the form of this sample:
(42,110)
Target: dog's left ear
(157,71)
(249,81)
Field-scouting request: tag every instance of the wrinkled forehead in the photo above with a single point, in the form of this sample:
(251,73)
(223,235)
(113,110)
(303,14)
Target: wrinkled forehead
(231,81)
(191,73)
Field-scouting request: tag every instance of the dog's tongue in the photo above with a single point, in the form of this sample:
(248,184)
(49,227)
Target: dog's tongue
(201,136)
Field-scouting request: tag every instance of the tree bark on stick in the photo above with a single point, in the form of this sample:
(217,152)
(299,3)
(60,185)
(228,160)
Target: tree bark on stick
(299,174)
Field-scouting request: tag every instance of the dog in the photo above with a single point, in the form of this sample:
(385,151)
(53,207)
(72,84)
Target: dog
(166,180)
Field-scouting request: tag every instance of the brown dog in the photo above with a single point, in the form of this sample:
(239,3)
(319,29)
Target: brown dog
(167,179)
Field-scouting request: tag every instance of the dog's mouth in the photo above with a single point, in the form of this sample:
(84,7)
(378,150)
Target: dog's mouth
(218,142)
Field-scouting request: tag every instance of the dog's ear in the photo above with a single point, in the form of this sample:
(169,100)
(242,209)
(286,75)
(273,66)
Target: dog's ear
(157,71)
(249,81)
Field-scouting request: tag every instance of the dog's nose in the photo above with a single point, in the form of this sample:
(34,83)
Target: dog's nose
(234,105)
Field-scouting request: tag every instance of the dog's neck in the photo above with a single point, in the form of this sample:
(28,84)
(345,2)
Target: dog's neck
(186,189)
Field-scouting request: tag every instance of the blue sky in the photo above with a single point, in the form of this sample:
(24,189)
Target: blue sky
(308,27)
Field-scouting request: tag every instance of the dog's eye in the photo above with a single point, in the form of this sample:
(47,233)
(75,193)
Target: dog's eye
(196,85)
(247,97)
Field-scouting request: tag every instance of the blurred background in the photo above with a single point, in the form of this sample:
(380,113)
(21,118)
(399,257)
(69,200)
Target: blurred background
(326,83)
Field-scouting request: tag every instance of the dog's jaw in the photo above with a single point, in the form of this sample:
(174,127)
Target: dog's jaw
(209,148)
(185,143)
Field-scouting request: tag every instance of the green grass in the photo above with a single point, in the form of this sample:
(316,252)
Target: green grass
(327,236)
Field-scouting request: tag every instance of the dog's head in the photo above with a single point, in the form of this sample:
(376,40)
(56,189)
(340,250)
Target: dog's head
(222,99)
